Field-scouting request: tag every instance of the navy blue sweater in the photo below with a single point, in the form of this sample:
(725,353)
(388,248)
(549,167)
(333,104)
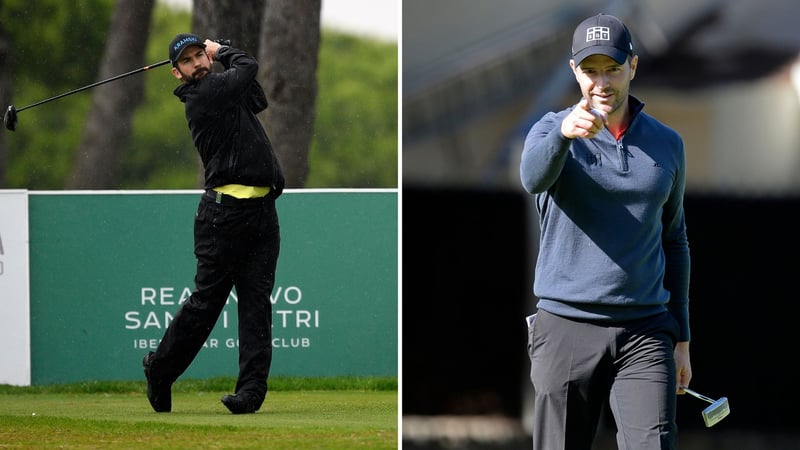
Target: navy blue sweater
(613,243)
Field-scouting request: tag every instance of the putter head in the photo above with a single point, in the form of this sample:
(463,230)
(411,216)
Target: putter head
(716,412)
(10,118)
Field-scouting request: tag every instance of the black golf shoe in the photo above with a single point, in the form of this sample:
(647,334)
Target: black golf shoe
(159,393)
(240,403)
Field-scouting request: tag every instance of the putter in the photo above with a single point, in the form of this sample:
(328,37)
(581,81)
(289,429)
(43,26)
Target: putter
(718,410)
(10,117)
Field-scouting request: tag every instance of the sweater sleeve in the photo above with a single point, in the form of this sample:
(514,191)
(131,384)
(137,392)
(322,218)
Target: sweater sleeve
(544,154)
(676,251)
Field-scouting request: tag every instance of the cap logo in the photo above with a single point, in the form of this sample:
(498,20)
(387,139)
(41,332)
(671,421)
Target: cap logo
(598,34)
(184,41)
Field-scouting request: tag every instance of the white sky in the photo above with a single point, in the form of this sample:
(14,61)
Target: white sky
(375,18)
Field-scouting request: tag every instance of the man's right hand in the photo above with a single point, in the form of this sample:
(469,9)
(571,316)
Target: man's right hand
(211,48)
(583,121)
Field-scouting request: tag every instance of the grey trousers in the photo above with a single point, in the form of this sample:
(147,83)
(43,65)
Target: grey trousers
(577,365)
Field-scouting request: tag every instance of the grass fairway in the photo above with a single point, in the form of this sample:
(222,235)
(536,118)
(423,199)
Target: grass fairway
(119,416)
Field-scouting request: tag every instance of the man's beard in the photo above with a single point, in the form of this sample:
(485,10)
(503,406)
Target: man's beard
(196,75)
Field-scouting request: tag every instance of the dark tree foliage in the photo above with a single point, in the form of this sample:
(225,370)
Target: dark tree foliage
(29,31)
(5,96)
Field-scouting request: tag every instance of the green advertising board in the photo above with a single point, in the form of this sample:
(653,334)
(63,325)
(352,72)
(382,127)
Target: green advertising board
(109,270)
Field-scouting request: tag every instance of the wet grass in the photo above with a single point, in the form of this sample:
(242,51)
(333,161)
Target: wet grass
(338,413)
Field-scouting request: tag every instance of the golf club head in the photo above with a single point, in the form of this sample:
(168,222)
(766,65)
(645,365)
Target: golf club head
(10,118)
(716,412)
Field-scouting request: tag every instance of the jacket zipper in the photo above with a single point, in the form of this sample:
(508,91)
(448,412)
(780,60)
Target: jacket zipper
(623,156)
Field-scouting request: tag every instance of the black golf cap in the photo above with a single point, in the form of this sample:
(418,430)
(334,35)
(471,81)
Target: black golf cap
(180,43)
(602,34)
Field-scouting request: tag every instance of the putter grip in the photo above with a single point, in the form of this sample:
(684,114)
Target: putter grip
(223,41)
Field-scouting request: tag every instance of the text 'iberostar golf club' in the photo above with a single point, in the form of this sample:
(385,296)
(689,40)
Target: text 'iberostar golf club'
(159,304)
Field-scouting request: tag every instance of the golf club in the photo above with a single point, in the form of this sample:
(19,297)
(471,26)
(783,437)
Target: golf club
(718,410)
(10,117)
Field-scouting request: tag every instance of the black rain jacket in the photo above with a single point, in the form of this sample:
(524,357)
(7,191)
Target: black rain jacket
(221,113)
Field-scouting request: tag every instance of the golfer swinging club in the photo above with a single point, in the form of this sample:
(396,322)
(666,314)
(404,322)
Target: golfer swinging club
(236,229)
(612,275)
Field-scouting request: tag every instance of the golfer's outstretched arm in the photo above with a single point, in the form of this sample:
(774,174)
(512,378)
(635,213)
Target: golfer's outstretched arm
(544,154)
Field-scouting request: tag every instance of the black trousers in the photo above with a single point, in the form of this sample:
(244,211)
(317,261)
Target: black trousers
(237,243)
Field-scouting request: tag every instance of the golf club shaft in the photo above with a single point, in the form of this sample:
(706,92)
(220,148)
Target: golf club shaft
(98,83)
(700,396)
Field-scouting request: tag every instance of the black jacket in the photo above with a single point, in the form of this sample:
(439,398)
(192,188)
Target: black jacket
(221,112)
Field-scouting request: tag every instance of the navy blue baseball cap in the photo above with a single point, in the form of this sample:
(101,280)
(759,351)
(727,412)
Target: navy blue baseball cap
(180,43)
(602,34)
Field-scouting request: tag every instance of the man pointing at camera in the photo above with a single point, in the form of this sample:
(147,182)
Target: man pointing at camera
(612,275)
(236,229)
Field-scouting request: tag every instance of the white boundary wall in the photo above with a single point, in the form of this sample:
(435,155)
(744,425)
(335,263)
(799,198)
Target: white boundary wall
(15,341)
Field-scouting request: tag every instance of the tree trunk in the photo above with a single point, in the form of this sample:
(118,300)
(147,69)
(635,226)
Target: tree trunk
(106,134)
(236,20)
(289,50)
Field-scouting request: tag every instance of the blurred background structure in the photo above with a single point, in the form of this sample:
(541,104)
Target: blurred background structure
(476,76)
